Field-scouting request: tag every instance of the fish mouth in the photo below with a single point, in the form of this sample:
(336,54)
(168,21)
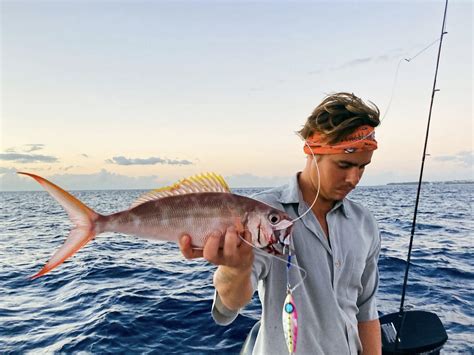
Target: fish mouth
(270,248)
(278,238)
(282,231)
(280,235)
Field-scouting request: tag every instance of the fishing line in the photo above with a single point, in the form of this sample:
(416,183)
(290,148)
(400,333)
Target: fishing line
(264,253)
(394,85)
(312,182)
(318,188)
(424,49)
(288,247)
(395,80)
(392,94)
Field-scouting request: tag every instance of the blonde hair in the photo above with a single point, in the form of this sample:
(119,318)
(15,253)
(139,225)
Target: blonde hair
(338,115)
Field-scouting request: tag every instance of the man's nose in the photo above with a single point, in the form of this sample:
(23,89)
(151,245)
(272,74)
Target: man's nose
(353,176)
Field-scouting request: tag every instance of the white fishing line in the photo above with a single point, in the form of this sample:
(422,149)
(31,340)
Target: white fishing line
(262,252)
(312,182)
(318,187)
(286,262)
(394,85)
(395,79)
(424,49)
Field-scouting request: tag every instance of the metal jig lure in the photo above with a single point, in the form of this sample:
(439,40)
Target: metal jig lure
(289,313)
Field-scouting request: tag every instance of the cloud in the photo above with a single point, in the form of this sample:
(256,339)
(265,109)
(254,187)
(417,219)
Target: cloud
(354,62)
(28,158)
(33,147)
(465,158)
(365,60)
(25,148)
(147,161)
(391,55)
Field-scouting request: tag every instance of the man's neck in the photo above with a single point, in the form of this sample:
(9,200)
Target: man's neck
(322,205)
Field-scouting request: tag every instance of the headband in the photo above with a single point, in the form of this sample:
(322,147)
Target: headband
(362,139)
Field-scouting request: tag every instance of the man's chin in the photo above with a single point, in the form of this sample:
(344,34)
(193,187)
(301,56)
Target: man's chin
(341,194)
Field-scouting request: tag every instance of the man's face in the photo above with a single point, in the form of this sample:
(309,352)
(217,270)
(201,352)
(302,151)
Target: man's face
(340,173)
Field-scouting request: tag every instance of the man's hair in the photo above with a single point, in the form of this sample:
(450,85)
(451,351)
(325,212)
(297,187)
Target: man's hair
(338,115)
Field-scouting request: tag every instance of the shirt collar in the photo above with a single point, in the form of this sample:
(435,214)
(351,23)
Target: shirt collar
(344,207)
(291,193)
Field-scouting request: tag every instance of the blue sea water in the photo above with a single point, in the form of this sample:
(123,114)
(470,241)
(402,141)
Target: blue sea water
(121,294)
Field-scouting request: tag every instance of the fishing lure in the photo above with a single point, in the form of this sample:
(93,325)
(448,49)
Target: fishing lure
(289,313)
(290,322)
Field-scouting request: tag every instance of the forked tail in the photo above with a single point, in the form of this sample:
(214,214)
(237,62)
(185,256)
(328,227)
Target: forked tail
(82,216)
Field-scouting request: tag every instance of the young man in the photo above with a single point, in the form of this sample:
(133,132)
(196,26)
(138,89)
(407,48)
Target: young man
(337,244)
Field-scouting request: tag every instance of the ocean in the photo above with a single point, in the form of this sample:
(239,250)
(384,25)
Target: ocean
(121,294)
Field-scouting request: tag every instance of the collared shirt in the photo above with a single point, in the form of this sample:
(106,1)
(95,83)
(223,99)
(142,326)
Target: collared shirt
(340,285)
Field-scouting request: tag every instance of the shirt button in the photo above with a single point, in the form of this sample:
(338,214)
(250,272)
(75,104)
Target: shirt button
(338,264)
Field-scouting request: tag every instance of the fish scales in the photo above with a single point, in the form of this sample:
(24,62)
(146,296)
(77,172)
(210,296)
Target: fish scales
(196,214)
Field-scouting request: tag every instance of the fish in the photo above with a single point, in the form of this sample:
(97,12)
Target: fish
(196,206)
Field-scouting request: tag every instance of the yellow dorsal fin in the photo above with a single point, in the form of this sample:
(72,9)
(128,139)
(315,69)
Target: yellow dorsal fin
(207,182)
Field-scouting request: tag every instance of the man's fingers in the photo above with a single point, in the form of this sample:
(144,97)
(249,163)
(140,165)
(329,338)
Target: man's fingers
(184,243)
(211,249)
(186,248)
(247,242)
(230,250)
(231,243)
(197,253)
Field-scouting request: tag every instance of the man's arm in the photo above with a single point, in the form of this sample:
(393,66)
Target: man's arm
(233,286)
(232,277)
(368,323)
(370,337)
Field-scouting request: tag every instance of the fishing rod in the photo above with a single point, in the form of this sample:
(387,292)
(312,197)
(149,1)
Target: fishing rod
(434,335)
(413,225)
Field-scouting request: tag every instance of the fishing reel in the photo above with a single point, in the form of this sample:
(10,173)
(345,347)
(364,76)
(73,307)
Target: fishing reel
(412,332)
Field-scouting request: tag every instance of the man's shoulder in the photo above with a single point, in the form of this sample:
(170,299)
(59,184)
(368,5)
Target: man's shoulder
(271,196)
(358,210)
(364,219)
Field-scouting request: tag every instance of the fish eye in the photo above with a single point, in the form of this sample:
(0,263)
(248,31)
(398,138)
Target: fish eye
(274,218)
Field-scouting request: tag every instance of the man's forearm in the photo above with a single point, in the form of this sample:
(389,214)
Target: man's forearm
(370,337)
(233,286)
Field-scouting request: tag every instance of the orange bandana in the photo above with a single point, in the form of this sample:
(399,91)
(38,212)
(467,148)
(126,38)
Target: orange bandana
(362,139)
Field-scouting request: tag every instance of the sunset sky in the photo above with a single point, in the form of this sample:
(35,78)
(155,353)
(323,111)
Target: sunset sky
(138,94)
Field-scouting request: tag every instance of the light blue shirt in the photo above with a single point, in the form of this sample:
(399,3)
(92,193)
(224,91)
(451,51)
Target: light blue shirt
(341,283)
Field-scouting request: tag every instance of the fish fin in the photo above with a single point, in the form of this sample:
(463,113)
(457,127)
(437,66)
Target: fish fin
(82,216)
(207,182)
(77,238)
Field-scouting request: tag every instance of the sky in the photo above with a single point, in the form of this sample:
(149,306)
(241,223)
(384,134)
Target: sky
(139,94)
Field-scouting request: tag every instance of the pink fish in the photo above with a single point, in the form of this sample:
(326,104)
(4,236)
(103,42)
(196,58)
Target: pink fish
(196,206)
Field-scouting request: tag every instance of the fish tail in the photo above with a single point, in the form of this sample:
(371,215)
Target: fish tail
(82,216)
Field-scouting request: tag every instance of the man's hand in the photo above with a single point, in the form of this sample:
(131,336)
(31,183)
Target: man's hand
(234,252)
(234,258)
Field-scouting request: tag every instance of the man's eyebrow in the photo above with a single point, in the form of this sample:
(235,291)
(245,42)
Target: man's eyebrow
(353,164)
